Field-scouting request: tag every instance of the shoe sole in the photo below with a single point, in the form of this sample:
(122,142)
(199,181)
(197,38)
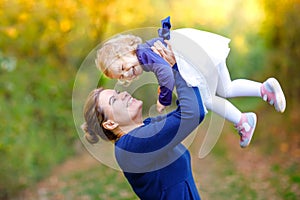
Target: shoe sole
(254,126)
(279,95)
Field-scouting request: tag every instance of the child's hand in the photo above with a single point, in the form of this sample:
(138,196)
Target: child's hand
(159,107)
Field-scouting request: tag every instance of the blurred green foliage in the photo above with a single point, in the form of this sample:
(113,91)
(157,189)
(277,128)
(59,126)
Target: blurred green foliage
(42,44)
(35,122)
(281,31)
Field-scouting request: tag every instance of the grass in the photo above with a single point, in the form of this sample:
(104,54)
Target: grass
(265,170)
(98,182)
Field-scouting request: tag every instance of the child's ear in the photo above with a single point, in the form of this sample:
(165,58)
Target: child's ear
(110,125)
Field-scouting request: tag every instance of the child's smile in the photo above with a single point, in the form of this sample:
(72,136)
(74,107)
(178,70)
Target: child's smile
(127,67)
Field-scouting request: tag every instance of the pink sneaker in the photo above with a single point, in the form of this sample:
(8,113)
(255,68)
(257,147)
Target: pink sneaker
(273,94)
(246,127)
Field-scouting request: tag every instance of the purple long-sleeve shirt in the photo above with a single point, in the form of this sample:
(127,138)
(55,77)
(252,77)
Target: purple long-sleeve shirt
(150,61)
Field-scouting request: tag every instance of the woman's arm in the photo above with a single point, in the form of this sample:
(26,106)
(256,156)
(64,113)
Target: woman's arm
(169,130)
(147,148)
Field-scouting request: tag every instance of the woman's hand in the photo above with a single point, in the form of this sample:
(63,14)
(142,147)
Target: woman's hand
(165,52)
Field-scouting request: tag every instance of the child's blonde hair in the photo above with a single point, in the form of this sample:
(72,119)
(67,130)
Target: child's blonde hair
(113,49)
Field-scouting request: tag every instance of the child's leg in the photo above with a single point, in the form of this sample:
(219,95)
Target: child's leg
(224,108)
(236,88)
(270,90)
(244,122)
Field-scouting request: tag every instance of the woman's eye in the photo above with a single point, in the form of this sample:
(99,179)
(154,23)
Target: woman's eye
(113,100)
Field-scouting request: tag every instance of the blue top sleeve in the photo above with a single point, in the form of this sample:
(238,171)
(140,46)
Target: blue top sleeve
(144,146)
(171,129)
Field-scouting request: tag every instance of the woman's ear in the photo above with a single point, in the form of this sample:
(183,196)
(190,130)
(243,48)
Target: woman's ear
(110,125)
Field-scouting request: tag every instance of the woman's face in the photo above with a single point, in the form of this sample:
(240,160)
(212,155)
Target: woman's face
(127,67)
(122,108)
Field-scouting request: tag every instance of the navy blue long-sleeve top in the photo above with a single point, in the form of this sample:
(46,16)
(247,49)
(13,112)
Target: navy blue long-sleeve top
(153,160)
(150,61)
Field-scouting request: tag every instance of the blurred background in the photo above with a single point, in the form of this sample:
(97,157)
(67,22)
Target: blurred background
(42,45)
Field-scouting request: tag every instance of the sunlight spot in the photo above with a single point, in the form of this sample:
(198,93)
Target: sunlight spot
(11,32)
(240,43)
(65,25)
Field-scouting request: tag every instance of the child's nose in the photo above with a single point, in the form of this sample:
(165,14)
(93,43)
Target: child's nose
(124,95)
(126,73)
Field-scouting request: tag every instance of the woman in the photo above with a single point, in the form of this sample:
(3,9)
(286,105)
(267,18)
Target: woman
(149,151)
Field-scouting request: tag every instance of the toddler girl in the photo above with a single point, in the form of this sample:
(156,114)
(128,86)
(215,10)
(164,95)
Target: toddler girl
(125,57)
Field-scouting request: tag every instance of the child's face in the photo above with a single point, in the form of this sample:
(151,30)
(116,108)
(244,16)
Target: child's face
(127,67)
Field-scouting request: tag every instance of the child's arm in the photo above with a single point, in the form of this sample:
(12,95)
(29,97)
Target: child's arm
(166,83)
(162,70)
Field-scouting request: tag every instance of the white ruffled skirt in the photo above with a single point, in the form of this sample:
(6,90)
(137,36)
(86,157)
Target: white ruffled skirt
(198,55)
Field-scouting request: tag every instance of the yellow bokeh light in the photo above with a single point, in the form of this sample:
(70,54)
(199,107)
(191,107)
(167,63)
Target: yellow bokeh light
(65,25)
(11,32)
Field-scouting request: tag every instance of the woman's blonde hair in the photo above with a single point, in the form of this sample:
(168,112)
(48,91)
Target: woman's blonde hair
(94,117)
(113,49)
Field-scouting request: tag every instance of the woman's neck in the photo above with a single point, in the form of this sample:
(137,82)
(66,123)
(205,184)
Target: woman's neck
(120,131)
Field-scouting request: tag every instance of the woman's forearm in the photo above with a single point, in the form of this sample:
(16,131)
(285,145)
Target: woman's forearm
(189,98)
